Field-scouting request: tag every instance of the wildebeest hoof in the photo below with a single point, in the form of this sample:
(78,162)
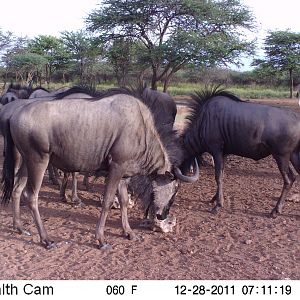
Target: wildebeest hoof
(63,199)
(274,213)
(23,231)
(115,204)
(26,232)
(212,200)
(49,244)
(216,209)
(77,203)
(105,247)
(133,237)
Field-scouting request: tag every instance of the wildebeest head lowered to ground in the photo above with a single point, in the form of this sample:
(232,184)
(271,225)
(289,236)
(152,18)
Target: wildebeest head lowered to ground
(116,133)
(222,124)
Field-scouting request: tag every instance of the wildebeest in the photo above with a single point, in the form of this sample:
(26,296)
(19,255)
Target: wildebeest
(43,94)
(221,124)
(8,97)
(161,105)
(40,92)
(79,135)
(15,91)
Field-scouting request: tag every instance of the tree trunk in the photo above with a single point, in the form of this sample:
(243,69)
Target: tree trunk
(291,83)
(47,74)
(140,78)
(81,70)
(154,78)
(167,82)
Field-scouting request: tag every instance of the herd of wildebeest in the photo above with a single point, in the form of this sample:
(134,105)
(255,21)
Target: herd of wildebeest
(127,136)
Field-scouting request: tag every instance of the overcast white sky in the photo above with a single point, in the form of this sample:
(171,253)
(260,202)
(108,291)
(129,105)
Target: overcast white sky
(34,17)
(44,17)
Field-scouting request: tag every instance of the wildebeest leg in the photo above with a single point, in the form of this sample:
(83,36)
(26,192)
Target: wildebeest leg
(114,177)
(18,163)
(18,159)
(20,182)
(75,199)
(295,160)
(86,181)
(63,187)
(53,175)
(288,180)
(219,172)
(36,169)
(124,202)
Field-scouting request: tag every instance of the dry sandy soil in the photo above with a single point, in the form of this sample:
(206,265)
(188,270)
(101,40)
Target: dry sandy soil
(241,242)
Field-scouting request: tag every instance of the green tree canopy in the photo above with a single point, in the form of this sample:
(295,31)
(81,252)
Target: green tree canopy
(83,50)
(176,32)
(5,39)
(26,64)
(52,49)
(282,54)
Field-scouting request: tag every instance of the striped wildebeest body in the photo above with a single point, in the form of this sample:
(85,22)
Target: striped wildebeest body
(222,124)
(79,135)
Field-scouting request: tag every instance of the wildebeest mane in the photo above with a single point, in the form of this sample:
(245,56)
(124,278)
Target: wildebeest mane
(140,93)
(167,135)
(201,98)
(78,89)
(38,88)
(17,86)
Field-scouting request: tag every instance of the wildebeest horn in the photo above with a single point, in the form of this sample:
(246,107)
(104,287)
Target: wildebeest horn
(185,178)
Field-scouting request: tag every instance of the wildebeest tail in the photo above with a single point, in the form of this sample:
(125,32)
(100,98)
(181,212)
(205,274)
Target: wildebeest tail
(7,180)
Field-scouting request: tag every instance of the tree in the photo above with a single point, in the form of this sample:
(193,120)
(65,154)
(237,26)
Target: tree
(52,49)
(26,65)
(282,54)
(17,46)
(83,50)
(174,33)
(6,39)
(120,57)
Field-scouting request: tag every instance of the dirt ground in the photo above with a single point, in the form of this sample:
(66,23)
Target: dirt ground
(241,242)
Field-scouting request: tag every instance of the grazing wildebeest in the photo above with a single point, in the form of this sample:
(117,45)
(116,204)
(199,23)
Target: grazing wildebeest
(163,109)
(221,124)
(79,135)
